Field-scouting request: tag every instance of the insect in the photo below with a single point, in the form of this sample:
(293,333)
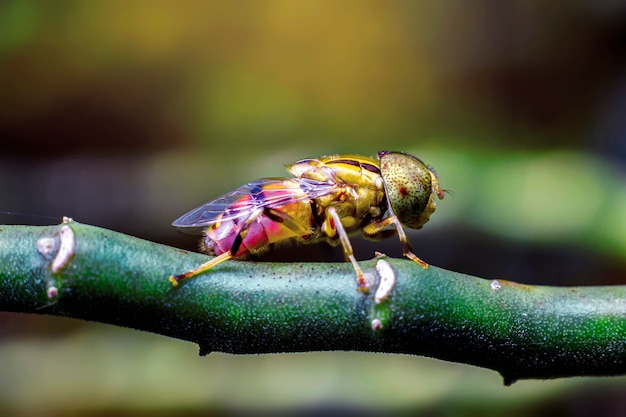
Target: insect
(326,199)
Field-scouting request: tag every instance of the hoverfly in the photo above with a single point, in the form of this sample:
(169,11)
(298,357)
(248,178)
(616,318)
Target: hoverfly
(326,199)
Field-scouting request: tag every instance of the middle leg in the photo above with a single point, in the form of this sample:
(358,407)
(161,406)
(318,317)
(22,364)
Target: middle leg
(347,247)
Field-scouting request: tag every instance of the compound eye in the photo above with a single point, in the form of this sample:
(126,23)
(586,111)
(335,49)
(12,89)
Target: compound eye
(408,185)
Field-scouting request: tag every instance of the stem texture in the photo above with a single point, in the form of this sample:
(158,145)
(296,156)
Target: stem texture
(520,331)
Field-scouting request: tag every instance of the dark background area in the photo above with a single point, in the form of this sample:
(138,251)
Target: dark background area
(126,115)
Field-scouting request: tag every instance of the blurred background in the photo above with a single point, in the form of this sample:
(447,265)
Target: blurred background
(127,114)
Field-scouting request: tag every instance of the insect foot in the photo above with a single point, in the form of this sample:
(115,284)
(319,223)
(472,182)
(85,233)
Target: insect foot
(365,281)
(176,279)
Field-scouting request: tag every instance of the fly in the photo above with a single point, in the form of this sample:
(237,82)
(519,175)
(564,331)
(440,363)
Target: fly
(326,199)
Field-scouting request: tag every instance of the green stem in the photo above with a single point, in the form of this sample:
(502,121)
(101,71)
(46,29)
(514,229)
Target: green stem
(244,307)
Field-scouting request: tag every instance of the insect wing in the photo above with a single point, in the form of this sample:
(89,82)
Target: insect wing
(263,193)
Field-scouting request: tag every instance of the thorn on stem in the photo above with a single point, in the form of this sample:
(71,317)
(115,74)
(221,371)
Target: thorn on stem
(46,246)
(66,249)
(377,324)
(52,291)
(387,281)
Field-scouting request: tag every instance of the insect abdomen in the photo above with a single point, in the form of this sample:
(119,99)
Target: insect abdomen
(264,230)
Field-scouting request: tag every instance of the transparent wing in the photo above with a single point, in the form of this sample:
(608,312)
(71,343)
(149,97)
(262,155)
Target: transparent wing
(240,203)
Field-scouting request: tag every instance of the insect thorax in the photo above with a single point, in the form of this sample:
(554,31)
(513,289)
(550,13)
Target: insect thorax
(359,195)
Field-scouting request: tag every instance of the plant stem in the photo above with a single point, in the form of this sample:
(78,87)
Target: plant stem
(245,307)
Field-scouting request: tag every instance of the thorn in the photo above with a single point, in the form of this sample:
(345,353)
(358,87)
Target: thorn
(52,291)
(66,249)
(387,281)
(376,324)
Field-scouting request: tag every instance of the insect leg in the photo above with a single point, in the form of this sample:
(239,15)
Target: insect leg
(347,248)
(406,245)
(175,279)
(376,228)
(244,231)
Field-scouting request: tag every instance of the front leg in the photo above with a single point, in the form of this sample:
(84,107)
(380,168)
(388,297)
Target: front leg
(376,230)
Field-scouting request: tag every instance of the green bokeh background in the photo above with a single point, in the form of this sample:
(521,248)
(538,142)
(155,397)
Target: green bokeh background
(126,114)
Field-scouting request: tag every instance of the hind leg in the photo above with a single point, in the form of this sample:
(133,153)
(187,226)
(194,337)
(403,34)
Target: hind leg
(275,215)
(229,254)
